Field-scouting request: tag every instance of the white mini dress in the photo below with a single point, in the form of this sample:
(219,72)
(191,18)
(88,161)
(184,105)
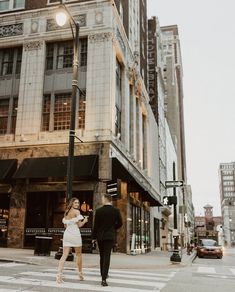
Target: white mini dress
(72,236)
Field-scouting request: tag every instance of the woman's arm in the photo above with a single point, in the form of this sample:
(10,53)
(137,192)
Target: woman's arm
(83,222)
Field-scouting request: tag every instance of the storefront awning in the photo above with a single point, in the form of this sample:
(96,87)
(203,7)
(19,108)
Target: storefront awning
(119,171)
(7,168)
(85,166)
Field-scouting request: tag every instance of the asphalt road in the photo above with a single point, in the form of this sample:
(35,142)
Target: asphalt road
(205,275)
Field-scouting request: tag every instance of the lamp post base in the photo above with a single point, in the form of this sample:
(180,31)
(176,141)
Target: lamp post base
(175,257)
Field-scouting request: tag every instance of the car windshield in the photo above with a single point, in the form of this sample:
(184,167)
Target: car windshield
(209,242)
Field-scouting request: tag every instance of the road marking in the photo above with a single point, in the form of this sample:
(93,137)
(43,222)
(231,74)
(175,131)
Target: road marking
(206,270)
(11,265)
(233,271)
(123,272)
(13,290)
(96,278)
(69,285)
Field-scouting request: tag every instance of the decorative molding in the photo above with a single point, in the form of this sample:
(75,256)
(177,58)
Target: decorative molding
(120,41)
(11,30)
(30,46)
(34,26)
(81,19)
(99,17)
(52,25)
(100,37)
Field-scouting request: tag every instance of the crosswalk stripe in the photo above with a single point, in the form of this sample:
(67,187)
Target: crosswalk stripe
(123,272)
(233,271)
(13,290)
(129,281)
(68,285)
(209,270)
(11,265)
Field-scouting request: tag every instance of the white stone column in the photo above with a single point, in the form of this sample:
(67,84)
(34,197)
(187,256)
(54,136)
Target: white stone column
(100,97)
(31,90)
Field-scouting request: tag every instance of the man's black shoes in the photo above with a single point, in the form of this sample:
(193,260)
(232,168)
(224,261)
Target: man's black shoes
(104,283)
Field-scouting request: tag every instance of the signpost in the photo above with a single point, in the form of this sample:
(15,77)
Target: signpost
(173,183)
(175,257)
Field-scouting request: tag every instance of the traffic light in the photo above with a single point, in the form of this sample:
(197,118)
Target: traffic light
(169,200)
(114,188)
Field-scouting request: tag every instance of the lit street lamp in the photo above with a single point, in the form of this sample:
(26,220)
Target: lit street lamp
(62,16)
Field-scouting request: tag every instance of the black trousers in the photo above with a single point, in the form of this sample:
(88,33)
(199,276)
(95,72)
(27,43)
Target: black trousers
(105,248)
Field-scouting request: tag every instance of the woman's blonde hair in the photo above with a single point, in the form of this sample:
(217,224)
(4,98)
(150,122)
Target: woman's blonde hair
(70,204)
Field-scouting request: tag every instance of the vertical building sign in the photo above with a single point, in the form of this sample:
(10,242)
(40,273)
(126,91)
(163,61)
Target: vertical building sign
(152,66)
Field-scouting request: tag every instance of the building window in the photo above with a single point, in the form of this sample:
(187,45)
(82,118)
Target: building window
(8,113)
(53,1)
(62,109)
(14,115)
(11,4)
(82,111)
(64,55)
(144,135)
(57,110)
(10,61)
(60,55)
(118,105)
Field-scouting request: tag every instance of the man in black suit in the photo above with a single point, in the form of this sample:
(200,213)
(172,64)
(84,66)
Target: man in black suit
(107,220)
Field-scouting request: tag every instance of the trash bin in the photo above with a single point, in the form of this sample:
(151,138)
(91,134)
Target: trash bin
(43,244)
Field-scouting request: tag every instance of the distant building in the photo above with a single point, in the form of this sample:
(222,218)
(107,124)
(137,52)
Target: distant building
(227,199)
(208,226)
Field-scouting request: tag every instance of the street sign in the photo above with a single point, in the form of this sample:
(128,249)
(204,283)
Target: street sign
(114,188)
(173,183)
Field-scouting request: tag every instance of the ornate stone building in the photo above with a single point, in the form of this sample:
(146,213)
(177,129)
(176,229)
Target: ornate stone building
(117,130)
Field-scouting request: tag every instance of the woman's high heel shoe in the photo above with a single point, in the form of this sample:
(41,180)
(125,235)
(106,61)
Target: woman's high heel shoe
(59,278)
(81,276)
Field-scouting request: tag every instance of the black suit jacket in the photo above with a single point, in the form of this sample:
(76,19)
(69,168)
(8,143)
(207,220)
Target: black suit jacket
(107,220)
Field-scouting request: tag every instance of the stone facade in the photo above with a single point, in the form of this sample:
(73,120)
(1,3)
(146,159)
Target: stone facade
(107,48)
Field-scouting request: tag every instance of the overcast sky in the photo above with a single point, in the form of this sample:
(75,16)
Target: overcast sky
(207,36)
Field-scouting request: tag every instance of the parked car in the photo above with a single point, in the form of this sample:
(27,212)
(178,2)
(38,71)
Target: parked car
(209,247)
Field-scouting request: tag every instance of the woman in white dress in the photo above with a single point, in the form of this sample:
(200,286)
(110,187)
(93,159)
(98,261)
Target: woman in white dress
(72,220)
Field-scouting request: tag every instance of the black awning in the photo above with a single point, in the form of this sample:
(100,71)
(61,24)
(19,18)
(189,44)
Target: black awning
(7,168)
(119,171)
(85,167)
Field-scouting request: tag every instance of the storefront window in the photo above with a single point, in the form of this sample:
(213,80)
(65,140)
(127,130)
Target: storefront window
(45,211)
(146,237)
(135,228)
(4,216)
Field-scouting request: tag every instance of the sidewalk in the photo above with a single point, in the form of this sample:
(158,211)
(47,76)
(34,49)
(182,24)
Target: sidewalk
(154,259)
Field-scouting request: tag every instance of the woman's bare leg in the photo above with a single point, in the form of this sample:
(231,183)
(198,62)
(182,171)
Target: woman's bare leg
(78,251)
(65,254)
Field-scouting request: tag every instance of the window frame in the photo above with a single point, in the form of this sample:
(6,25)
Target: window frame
(10,116)
(15,62)
(11,5)
(51,116)
(53,54)
(118,98)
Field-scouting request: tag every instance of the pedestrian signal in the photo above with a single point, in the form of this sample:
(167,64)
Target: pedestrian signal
(169,200)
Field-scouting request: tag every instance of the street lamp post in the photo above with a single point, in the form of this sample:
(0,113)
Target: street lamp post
(61,19)
(175,257)
(62,16)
